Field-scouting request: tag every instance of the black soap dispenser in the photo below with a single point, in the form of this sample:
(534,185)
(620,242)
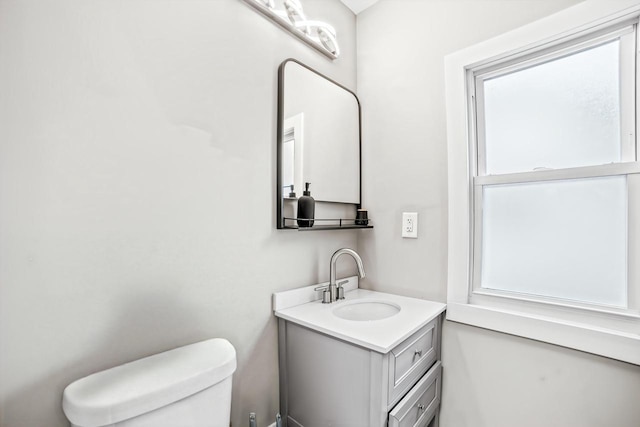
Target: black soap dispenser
(306,208)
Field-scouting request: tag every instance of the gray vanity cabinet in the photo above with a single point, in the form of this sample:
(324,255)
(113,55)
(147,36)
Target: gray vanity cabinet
(325,381)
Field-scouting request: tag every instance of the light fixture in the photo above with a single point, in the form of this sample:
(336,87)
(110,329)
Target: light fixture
(319,35)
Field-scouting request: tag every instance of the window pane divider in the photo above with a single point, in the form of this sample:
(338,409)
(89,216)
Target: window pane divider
(611,169)
(558,302)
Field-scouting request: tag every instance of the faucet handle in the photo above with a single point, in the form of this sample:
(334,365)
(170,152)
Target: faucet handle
(326,297)
(340,294)
(326,293)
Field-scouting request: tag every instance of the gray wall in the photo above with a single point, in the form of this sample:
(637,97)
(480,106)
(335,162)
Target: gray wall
(490,379)
(137,191)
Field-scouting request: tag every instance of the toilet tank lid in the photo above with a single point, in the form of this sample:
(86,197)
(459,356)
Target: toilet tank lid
(141,386)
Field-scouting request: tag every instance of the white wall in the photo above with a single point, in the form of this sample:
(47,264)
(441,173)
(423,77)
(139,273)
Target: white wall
(490,379)
(137,190)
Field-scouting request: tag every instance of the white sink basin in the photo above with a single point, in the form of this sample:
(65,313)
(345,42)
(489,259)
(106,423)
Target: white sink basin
(366,310)
(304,307)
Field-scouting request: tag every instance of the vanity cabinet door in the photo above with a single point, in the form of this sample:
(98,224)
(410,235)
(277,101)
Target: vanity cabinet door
(411,359)
(420,405)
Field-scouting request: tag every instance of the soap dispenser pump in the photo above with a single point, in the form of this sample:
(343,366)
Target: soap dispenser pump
(306,208)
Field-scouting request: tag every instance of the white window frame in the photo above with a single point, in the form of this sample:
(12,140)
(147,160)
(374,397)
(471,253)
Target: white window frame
(607,331)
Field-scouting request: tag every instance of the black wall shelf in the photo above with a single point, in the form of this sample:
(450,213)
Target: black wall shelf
(337,224)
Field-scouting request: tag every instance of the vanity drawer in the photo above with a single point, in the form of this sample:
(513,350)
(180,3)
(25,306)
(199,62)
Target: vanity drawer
(411,359)
(420,405)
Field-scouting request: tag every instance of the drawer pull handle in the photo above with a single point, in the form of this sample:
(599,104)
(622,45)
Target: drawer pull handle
(420,407)
(417,353)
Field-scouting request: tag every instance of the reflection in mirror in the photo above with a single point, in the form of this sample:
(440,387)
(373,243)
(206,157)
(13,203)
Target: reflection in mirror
(292,154)
(330,159)
(318,142)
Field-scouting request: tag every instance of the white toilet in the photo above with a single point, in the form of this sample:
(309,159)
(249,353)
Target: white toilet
(189,386)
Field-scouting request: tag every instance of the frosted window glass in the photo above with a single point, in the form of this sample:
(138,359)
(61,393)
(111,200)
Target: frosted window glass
(560,114)
(563,239)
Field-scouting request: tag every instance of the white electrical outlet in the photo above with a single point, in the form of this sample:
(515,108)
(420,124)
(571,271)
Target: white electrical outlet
(410,225)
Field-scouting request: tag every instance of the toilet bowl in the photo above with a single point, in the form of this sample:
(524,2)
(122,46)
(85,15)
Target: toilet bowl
(189,386)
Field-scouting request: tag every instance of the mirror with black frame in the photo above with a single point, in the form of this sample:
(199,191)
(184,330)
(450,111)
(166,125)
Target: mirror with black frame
(319,144)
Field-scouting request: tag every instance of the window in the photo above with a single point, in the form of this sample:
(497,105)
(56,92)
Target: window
(545,183)
(558,235)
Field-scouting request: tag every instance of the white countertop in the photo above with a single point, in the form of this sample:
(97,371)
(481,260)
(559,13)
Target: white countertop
(377,335)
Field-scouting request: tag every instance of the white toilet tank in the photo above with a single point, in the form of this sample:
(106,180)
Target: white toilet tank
(189,386)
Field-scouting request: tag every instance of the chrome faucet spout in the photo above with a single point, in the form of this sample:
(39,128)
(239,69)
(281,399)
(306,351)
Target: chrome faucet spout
(333,288)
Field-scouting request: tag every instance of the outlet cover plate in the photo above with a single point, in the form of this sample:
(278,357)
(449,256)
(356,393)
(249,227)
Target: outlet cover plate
(410,225)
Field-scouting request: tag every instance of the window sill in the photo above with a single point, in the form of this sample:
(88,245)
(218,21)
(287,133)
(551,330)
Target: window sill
(603,342)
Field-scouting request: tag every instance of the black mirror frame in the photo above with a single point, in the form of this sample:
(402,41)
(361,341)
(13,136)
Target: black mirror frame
(280,220)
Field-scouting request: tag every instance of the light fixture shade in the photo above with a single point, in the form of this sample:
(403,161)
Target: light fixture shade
(328,39)
(296,15)
(322,32)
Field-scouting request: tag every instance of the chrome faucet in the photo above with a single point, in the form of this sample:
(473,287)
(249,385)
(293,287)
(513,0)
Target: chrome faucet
(333,291)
